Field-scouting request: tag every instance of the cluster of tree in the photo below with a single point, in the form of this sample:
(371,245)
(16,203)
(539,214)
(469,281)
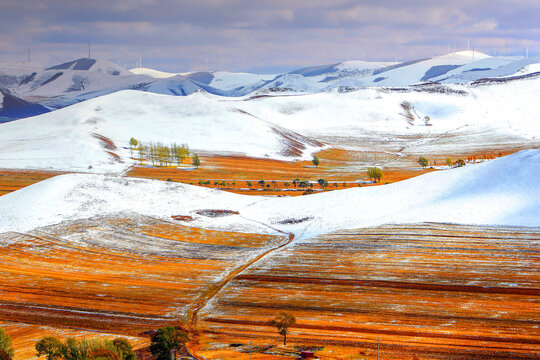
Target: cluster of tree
(458,163)
(301,183)
(162,155)
(167,339)
(6,351)
(83,349)
(323,183)
(375,173)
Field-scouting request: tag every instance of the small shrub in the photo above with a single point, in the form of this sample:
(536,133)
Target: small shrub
(315,160)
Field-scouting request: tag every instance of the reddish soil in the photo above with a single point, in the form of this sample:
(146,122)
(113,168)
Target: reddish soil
(233,173)
(341,168)
(121,287)
(431,291)
(12,180)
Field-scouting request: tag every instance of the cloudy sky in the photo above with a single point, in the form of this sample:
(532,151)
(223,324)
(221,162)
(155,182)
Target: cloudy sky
(240,35)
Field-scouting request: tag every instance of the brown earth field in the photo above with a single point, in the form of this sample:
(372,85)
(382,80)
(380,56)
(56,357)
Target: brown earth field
(427,291)
(341,168)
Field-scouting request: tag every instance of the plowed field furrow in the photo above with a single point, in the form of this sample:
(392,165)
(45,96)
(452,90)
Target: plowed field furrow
(438,291)
(103,274)
(392,284)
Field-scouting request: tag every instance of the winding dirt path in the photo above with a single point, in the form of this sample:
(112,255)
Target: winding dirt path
(193,345)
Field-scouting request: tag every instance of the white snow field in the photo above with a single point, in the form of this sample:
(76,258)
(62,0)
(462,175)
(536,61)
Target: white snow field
(67,139)
(503,109)
(505,191)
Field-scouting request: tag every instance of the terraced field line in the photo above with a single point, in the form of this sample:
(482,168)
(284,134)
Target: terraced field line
(213,290)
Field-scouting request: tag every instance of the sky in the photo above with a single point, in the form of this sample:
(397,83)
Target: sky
(261,35)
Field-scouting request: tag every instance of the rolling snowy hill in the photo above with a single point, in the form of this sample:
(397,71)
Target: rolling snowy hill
(92,135)
(459,116)
(505,191)
(78,80)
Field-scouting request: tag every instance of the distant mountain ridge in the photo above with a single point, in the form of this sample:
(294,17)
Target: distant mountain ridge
(81,79)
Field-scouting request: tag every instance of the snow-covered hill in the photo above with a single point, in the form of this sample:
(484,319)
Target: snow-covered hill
(423,120)
(72,138)
(384,116)
(68,83)
(505,191)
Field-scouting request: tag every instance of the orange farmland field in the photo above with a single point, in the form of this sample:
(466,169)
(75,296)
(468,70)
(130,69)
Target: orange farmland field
(11,180)
(429,291)
(341,168)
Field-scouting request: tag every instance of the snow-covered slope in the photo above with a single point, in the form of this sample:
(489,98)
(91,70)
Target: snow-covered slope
(491,68)
(506,108)
(152,73)
(11,107)
(415,71)
(228,83)
(78,80)
(290,83)
(236,83)
(334,72)
(69,138)
(82,75)
(505,191)
(13,75)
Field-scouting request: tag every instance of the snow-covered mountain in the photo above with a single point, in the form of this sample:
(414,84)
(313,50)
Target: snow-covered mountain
(92,135)
(83,79)
(505,191)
